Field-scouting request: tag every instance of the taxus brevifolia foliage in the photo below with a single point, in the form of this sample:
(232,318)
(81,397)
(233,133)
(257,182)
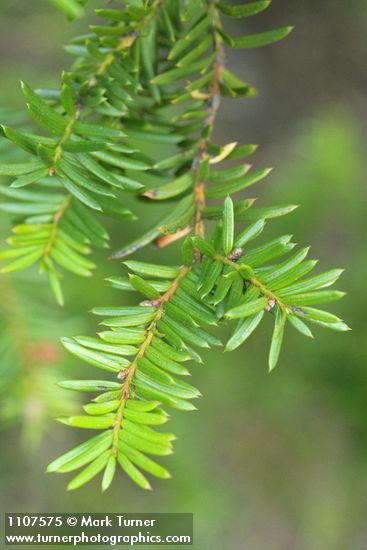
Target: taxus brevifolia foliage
(31,362)
(151,78)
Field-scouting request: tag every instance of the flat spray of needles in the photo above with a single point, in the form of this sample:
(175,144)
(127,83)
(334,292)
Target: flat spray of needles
(153,73)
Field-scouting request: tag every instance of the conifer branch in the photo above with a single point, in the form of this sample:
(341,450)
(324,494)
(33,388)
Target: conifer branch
(155,73)
(126,41)
(247,274)
(127,375)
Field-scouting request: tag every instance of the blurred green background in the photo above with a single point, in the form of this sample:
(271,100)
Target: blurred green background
(269,461)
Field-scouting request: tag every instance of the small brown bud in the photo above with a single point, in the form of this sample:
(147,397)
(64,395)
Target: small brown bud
(271,304)
(235,255)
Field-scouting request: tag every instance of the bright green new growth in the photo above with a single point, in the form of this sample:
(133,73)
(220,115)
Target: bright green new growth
(146,346)
(154,75)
